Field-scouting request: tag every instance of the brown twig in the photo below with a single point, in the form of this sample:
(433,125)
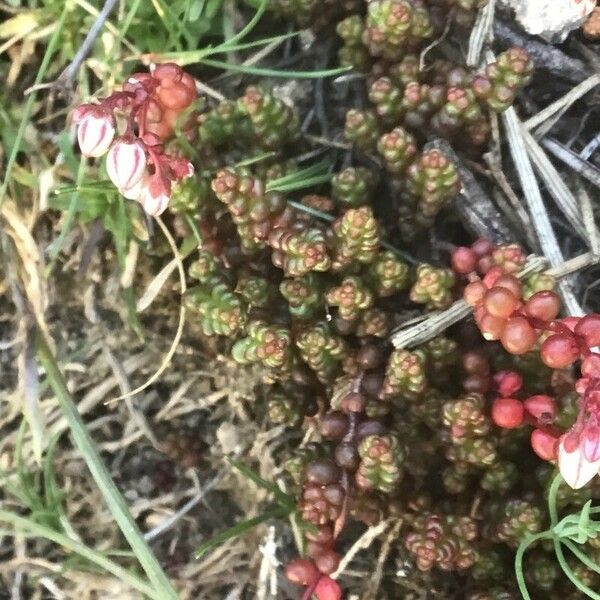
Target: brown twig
(375,581)
(66,79)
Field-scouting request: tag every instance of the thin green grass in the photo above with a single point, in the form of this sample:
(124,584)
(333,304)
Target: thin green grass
(240,528)
(255,159)
(52,493)
(50,50)
(47,518)
(119,509)
(301,179)
(249,26)
(22,526)
(189,57)
(265,72)
(284,507)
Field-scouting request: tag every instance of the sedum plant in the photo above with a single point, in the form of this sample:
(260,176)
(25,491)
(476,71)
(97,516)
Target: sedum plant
(308,288)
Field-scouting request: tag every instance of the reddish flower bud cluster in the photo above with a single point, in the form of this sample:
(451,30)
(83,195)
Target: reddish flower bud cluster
(366,460)
(538,410)
(323,504)
(502,313)
(304,572)
(136,162)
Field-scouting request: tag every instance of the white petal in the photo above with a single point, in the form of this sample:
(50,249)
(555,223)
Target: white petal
(126,163)
(95,135)
(133,193)
(155,206)
(575,469)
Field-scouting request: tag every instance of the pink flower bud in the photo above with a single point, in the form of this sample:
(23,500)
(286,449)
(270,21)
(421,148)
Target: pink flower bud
(154,196)
(328,589)
(96,129)
(541,407)
(575,468)
(544,444)
(126,162)
(508,382)
(590,367)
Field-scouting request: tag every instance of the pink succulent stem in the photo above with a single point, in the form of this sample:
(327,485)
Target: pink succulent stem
(308,592)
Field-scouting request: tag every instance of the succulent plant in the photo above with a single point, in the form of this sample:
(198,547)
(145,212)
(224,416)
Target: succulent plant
(304,295)
(353,187)
(433,287)
(299,252)
(221,311)
(442,542)
(355,236)
(381,461)
(387,275)
(362,129)
(405,374)
(252,208)
(504,78)
(434,180)
(224,124)
(398,149)
(321,350)
(350,297)
(274,123)
(268,344)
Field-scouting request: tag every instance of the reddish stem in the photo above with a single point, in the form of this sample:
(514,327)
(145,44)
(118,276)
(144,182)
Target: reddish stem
(118,100)
(539,424)
(143,113)
(308,592)
(349,438)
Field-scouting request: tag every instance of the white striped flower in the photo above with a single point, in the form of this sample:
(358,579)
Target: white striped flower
(96,129)
(126,163)
(154,197)
(134,192)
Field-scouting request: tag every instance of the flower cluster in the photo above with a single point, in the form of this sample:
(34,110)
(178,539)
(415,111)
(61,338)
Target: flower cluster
(136,162)
(522,324)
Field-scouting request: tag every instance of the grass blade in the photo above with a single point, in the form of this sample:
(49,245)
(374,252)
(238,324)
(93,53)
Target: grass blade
(116,502)
(24,526)
(247,472)
(240,35)
(52,493)
(52,46)
(239,528)
(299,184)
(297,180)
(264,72)
(97,186)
